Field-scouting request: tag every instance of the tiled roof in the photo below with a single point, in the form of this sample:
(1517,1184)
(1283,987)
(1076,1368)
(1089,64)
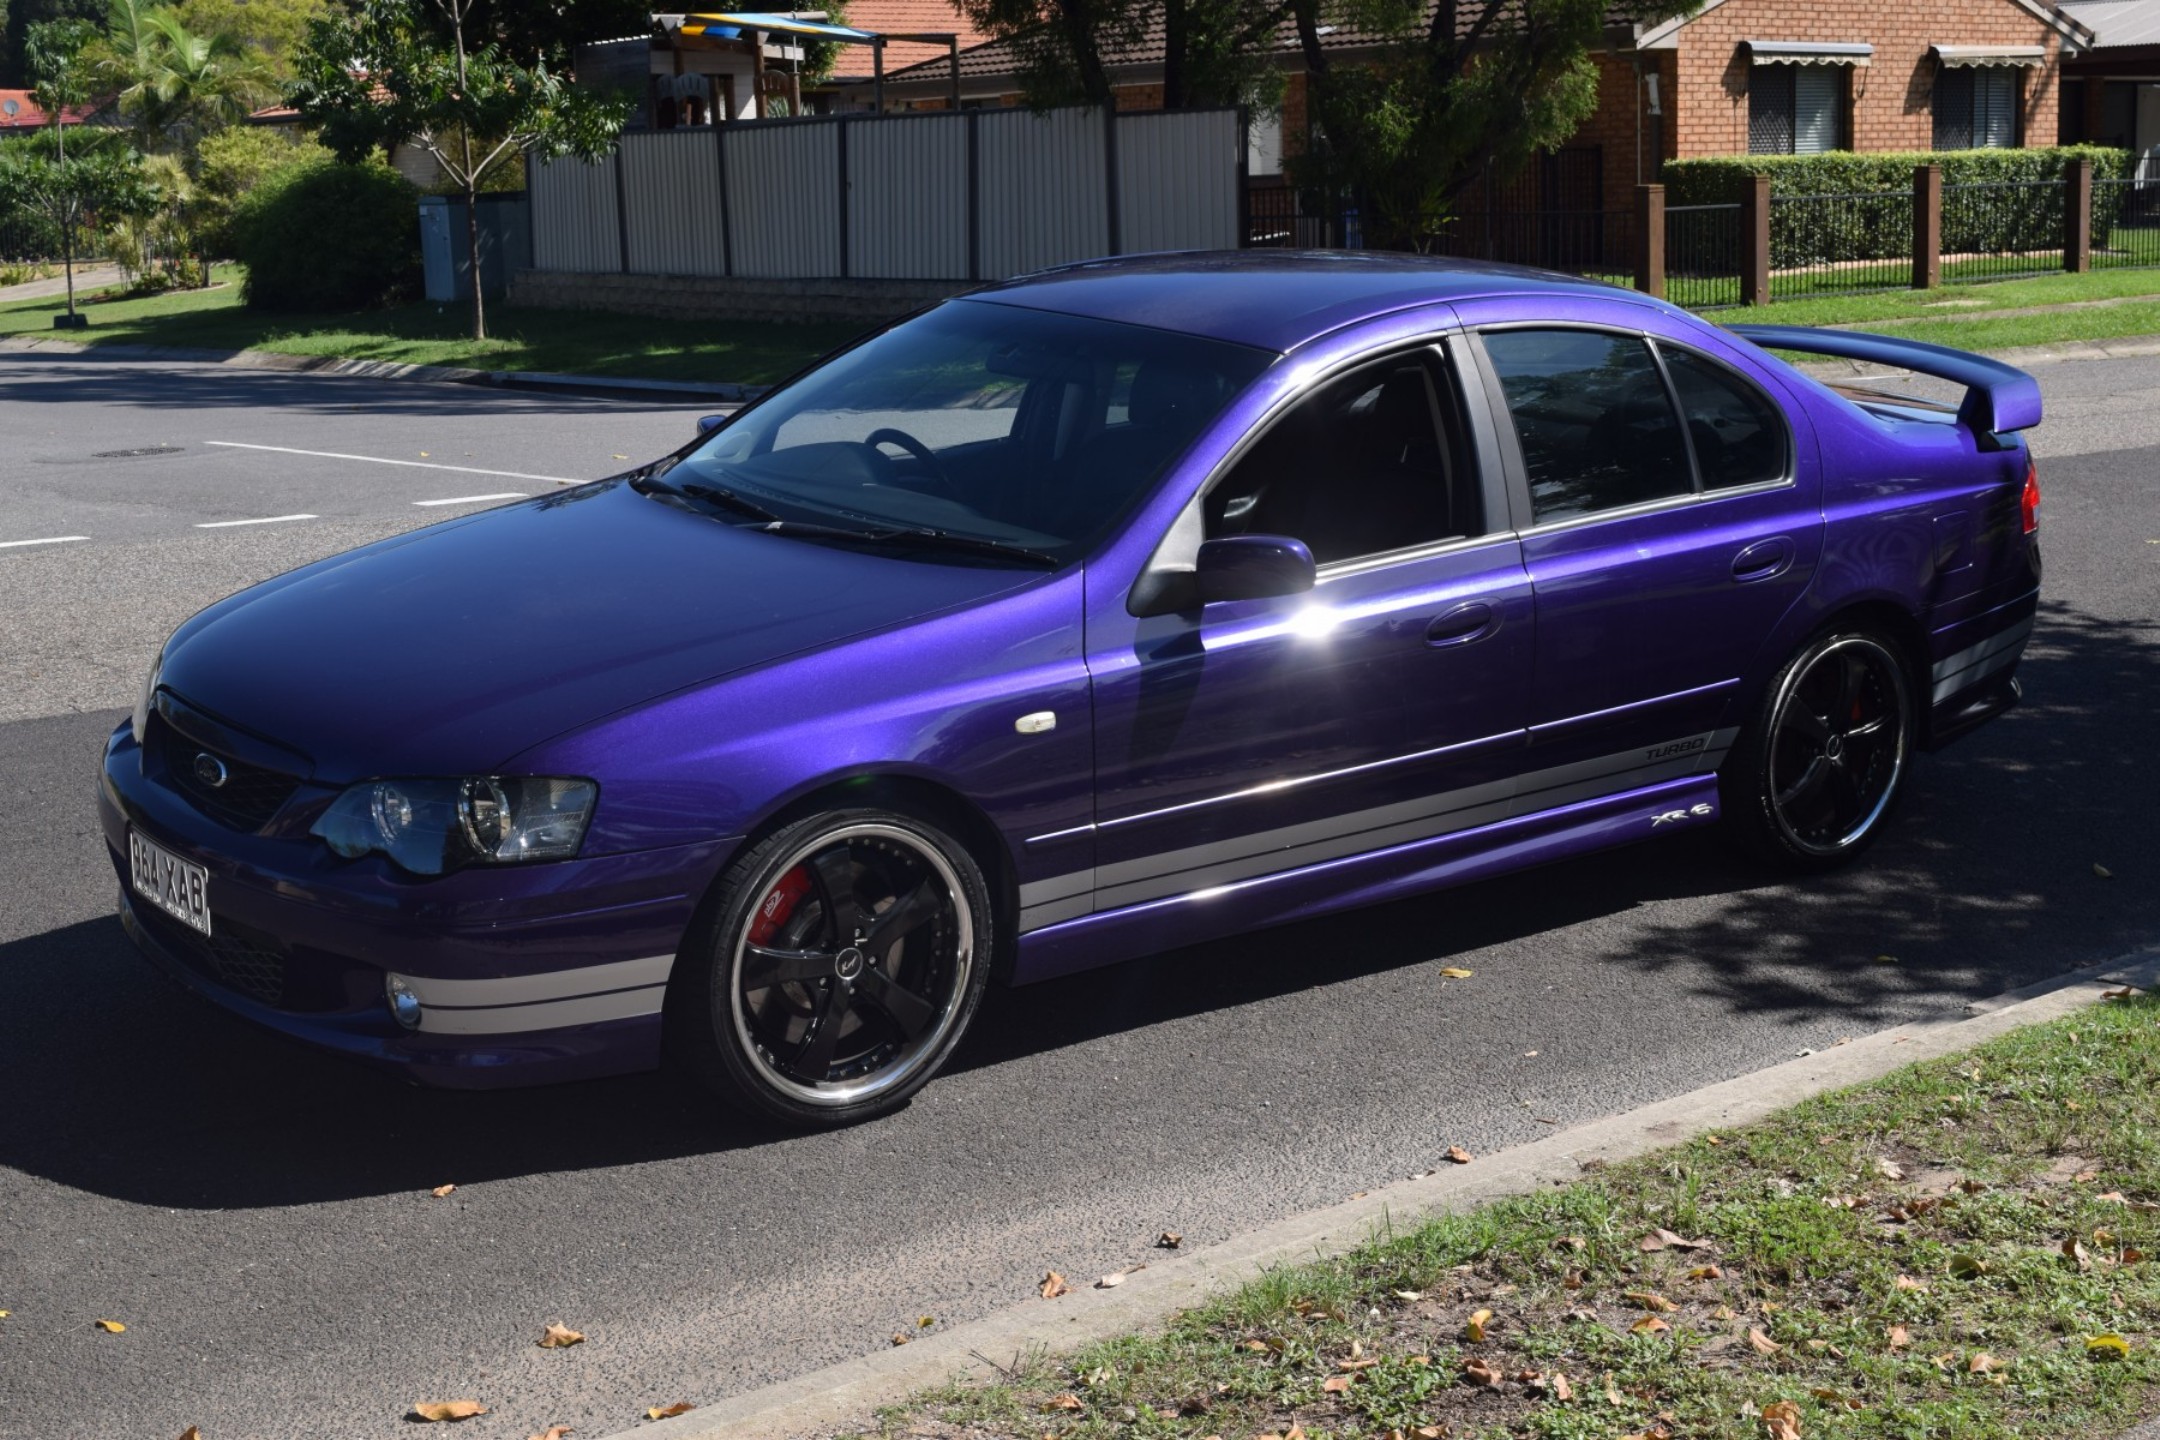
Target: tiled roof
(18,111)
(903,17)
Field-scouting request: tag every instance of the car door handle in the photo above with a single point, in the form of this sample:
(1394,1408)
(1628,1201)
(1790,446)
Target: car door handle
(1463,624)
(1763,560)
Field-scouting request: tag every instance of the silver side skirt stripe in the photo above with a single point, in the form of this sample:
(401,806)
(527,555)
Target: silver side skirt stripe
(585,995)
(1130,882)
(1976,662)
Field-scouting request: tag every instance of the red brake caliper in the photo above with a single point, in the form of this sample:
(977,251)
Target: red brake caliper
(779,905)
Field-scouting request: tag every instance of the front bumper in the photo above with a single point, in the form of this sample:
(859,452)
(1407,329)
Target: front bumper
(525,973)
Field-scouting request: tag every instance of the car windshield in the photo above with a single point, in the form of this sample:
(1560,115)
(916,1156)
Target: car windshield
(979,422)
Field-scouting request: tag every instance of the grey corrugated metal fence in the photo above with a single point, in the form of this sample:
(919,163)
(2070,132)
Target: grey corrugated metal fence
(973,195)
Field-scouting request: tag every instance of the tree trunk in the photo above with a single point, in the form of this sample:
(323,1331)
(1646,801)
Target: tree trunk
(1087,55)
(472,255)
(1175,28)
(67,212)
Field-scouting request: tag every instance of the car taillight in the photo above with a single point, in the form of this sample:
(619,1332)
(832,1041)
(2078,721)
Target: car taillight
(2029,502)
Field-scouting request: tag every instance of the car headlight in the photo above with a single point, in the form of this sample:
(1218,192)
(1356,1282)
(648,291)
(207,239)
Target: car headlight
(432,827)
(140,721)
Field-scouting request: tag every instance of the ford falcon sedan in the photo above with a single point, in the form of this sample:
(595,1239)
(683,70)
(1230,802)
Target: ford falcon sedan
(1081,617)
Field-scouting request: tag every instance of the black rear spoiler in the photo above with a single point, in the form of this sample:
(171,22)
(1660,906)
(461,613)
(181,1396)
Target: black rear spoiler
(1998,397)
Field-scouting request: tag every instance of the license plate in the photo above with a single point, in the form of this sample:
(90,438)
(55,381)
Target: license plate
(179,887)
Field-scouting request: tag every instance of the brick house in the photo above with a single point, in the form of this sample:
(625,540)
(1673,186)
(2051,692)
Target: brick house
(1737,76)
(2111,91)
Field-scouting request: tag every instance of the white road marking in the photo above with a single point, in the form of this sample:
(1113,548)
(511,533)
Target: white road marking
(381,460)
(474,499)
(48,540)
(265,520)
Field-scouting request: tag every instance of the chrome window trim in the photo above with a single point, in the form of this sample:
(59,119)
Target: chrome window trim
(1653,507)
(1343,569)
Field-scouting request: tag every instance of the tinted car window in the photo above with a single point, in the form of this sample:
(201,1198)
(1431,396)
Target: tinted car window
(1020,426)
(1596,426)
(1739,436)
(1362,466)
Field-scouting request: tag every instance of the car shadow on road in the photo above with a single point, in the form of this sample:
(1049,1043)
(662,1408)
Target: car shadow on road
(122,1085)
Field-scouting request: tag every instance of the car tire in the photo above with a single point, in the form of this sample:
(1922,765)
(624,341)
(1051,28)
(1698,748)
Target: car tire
(1822,761)
(835,970)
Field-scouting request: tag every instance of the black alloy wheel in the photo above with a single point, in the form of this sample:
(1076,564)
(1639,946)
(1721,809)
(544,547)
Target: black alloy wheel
(1824,762)
(848,957)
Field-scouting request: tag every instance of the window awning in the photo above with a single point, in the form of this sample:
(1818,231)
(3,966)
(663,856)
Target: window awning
(1952,57)
(1808,52)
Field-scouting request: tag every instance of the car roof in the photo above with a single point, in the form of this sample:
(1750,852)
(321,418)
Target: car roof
(1274,299)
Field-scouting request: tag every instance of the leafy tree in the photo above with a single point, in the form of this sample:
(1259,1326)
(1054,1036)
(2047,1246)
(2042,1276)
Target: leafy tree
(60,81)
(1462,91)
(380,77)
(1215,52)
(272,29)
(21,15)
(278,230)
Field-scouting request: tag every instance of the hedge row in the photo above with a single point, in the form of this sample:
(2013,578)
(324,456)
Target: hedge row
(1872,217)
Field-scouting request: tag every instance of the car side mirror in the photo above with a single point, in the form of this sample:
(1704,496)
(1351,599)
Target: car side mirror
(706,424)
(1252,567)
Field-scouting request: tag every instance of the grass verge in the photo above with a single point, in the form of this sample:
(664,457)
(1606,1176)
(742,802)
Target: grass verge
(574,342)
(1959,1249)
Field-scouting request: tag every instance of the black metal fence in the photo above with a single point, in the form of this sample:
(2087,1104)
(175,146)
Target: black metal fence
(1998,231)
(1702,255)
(2125,223)
(1840,244)
(1818,244)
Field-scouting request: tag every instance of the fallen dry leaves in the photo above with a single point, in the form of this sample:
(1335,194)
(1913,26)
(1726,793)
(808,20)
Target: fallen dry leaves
(1053,1285)
(1561,1390)
(441,1191)
(1458,1155)
(1889,1169)
(1782,1420)
(1899,1337)
(1169,1240)
(553,1432)
(1762,1344)
(1481,1372)
(1662,1239)
(1336,1384)
(110,1327)
(2108,1347)
(191,1433)
(1648,1325)
(1651,1300)
(1907,1282)
(1456,972)
(2076,1254)
(1066,1401)
(1706,1272)
(1474,1327)
(442,1410)
(664,1412)
(559,1337)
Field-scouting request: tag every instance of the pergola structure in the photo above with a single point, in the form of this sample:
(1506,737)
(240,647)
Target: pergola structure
(757,31)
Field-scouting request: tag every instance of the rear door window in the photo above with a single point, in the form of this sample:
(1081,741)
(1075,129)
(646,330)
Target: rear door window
(1595,423)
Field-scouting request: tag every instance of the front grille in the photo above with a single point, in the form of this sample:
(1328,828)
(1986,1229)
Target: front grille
(235,956)
(247,799)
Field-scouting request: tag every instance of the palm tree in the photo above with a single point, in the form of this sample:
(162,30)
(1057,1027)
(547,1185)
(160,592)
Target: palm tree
(175,83)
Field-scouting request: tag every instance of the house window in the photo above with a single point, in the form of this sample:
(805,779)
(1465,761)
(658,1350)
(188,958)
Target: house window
(1796,109)
(1976,108)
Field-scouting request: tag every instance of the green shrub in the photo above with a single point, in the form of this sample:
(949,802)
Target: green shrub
(1870,217)
(327,236)
(233,162)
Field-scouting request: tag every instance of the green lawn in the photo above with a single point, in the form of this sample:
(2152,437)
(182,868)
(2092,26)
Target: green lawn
(592,343)
(1968,1248)
(563,341)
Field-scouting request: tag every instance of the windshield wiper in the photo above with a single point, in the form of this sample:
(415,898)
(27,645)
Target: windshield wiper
(968,544)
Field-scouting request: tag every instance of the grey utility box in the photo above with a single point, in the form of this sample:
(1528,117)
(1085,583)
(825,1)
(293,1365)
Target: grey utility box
(505,244)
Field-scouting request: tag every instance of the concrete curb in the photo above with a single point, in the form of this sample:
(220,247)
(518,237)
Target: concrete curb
(843,1396)
(601,385)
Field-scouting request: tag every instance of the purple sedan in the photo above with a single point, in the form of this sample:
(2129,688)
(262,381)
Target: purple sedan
(1088,615)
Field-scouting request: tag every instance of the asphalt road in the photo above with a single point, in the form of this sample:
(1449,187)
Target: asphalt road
(259,1217)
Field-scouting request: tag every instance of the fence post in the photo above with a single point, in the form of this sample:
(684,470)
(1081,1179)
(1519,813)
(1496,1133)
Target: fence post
(974,193)
(1650,240)
(1755,241)
(1115,220)
(840,139)
(727,237)
(2077,217)
(1927,227)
